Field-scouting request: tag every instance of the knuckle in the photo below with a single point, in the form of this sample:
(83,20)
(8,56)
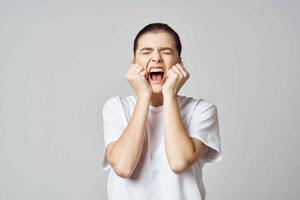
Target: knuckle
(131,77)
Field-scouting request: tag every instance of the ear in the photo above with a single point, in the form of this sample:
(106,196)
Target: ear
(133,61)
(179,61)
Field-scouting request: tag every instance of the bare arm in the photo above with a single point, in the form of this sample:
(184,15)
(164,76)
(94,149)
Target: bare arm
(124,154)
(182,150)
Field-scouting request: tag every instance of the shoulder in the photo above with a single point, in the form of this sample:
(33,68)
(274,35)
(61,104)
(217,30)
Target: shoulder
(199,102)
(196,105)
(205,105)
(120,101)
(112,102)
(121,106)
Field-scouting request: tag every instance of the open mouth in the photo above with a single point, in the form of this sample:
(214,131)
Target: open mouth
(156,76)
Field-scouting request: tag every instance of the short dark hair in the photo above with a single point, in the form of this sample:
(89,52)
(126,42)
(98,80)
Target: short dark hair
(157,27)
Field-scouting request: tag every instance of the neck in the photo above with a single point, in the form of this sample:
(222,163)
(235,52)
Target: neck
(157,100)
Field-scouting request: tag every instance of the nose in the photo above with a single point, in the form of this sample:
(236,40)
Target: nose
(156,57)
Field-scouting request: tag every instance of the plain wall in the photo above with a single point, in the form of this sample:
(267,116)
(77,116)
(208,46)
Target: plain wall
(60,61)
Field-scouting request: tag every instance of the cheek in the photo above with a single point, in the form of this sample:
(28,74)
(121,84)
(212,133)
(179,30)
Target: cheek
(143,62)
(171,60)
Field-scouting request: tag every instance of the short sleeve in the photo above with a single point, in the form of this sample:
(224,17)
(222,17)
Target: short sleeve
(114,123)
(204,126)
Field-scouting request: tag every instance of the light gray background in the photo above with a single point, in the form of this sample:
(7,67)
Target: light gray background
(60,60)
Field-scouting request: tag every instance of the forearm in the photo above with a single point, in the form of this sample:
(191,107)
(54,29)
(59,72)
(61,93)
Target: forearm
(179,146)
(127,150)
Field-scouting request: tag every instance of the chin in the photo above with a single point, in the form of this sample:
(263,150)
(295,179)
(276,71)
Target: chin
(157,90)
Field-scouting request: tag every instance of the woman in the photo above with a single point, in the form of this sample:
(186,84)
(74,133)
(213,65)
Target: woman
(156,141)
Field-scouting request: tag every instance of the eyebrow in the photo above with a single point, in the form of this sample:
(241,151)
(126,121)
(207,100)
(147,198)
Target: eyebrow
(160,49)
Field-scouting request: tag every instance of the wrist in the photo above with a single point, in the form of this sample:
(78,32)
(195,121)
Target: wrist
(169,96)
(144,97)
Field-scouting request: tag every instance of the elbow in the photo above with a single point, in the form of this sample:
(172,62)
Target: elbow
(177,170)
(123,172)
(119,168)
(179,167)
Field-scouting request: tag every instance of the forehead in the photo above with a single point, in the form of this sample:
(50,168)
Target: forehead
(156,39)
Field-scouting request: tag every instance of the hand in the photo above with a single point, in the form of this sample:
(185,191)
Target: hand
(177,75)
(137,78)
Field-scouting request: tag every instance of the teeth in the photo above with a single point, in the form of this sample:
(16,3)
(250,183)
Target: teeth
(156,70)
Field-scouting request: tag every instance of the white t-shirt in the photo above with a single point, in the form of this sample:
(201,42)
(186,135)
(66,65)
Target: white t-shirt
(153,178)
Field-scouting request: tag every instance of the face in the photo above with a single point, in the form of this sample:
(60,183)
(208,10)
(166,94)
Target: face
(156,52)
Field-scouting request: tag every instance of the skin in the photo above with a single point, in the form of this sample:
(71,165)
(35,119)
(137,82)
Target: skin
(182,151)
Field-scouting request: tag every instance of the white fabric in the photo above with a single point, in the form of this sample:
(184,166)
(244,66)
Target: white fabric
(153,179)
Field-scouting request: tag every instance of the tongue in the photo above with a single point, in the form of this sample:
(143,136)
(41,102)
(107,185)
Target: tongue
(157,77)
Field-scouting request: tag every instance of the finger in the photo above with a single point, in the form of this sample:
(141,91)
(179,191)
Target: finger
(173,74)
(148,62)
(132,65)
(144,74)
(181,63)
(182,70)
(175,68)
(182,66)
(129,69)
(138,69)
(133,68)
(169,72)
